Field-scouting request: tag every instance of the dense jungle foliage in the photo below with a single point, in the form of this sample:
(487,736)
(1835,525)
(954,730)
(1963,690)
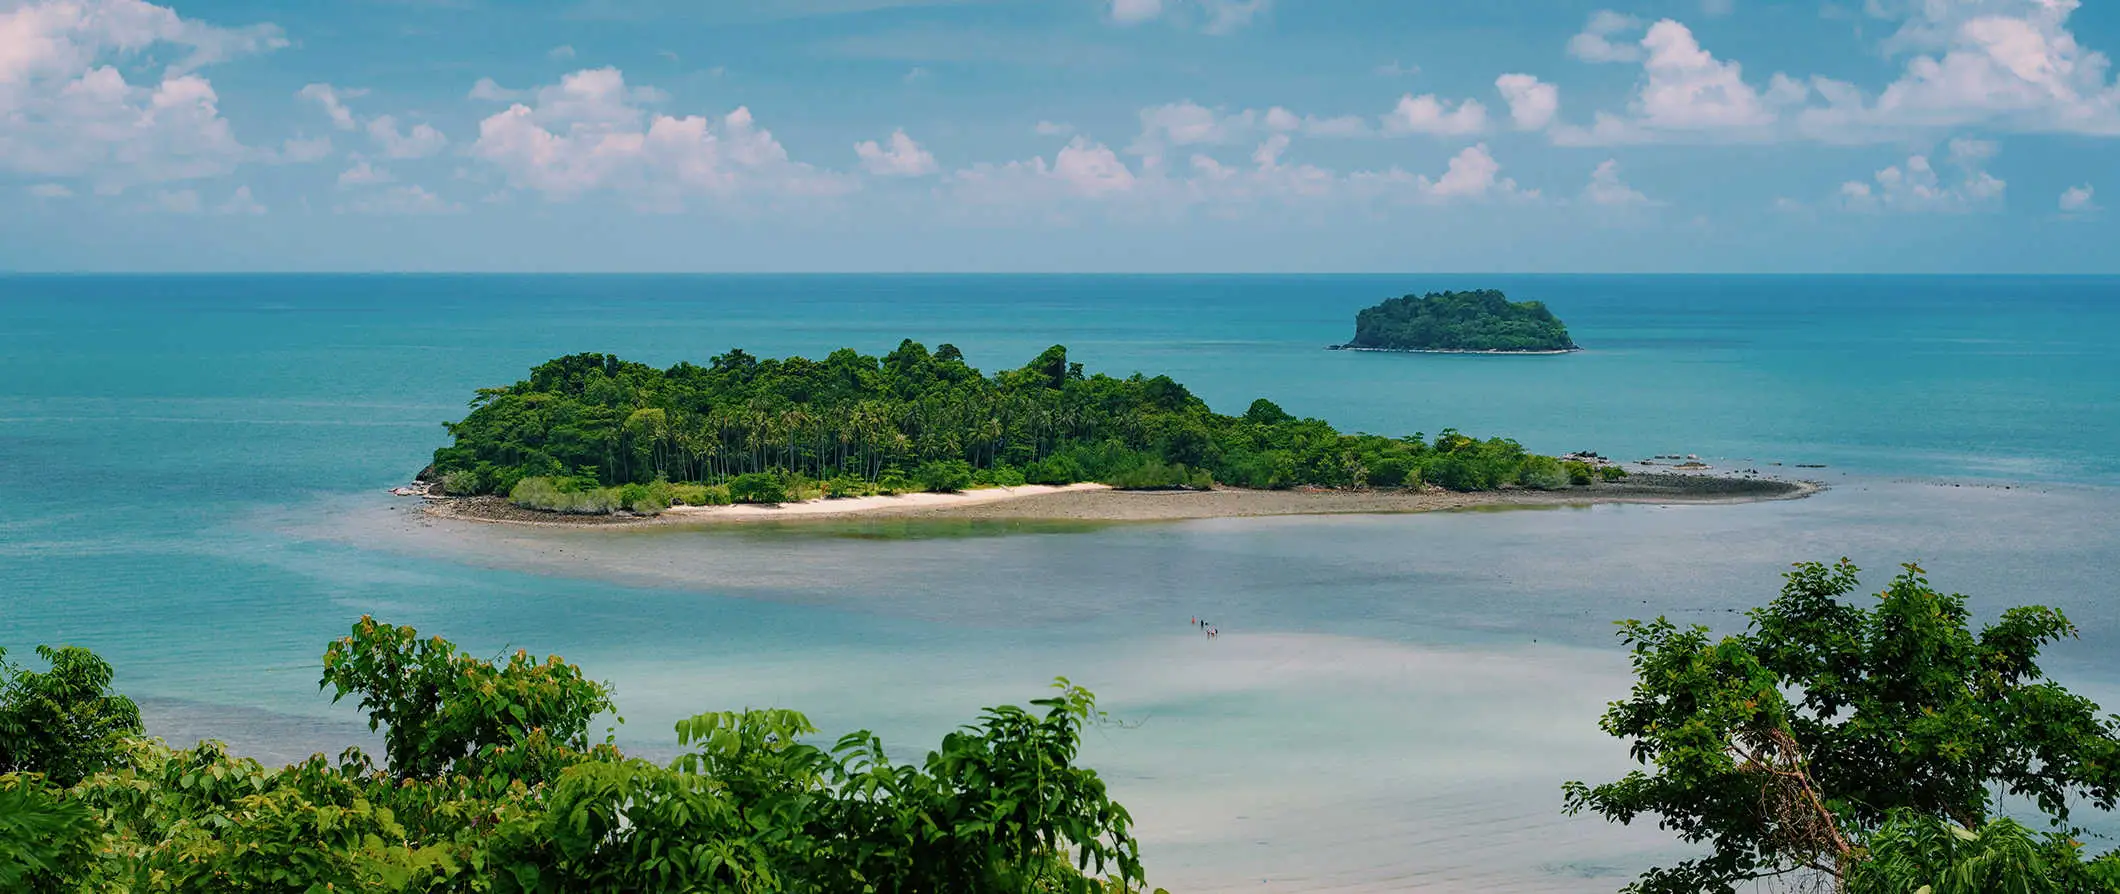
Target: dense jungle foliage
(491,783)
(593,433)
(1483,320)
(1838,747)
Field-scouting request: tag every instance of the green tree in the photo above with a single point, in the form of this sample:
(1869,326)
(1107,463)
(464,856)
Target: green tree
(64,723)
(1784,748)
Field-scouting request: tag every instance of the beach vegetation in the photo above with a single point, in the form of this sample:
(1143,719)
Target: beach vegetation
(462,482)
(1864,747)
(1545,473)
(491,780)
(757,487)
(1483,320)
(898,420)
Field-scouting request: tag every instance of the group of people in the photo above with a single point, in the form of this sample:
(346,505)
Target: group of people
(1211,630)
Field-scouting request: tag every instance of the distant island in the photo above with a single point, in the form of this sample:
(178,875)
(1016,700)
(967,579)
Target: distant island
(592,434)
(1483,321)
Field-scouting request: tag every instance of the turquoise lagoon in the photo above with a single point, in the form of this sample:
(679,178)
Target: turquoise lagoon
(196,470)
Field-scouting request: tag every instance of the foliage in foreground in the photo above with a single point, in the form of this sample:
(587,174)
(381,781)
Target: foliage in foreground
(593,433)
(1483,320)
(1866,747)
(491,783)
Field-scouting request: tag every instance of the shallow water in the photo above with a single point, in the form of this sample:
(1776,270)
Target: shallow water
(1394,699)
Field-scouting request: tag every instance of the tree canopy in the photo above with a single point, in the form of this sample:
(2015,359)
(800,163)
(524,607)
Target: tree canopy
(912,419)
(1867,746)
(491,783)
(1483,320)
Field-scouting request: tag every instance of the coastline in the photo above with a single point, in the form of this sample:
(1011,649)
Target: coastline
(1500,353)
(1099,503)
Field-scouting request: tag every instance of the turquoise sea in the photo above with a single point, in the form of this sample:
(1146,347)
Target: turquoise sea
(195,471)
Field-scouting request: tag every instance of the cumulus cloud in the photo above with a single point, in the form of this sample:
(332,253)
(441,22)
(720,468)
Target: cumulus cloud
(1918,187)
(899,156)
(329,99)
(70,112)
(1054,129)
(1687,94)
(1532,103)
(1472,175)
(1595,42)
(298,150)
(2078,200)
(1608,190)
(364,174)
(589,133)
(1081,169)
(563,51)
(419,142)
(487,90)
(2012,64)
(1426,114)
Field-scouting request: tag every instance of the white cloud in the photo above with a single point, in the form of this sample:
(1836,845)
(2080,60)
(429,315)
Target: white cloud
(1130,12)
(1594,43)
(1687,94)
(1429,115)
(589,133)
(2003,63)
(406,200)
(1717,8)
(421,141)
(1081,169)
(2078,200)
(487,90)
(1054,129)
(364,174)
(1917,187)
(1472,175)
(70,112)
(1608,190)
(240,203)
(1532,104)
(563,51)
(901,158)
(1211,16)
(51,191)
(328,97)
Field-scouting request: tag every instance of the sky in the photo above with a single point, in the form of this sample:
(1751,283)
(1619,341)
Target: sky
(1862,136)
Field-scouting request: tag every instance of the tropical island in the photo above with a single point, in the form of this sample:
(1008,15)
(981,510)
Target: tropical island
(1477,322)
(594,436)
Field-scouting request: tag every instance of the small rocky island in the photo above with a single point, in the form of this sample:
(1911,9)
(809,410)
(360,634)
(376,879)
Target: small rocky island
(1477,322)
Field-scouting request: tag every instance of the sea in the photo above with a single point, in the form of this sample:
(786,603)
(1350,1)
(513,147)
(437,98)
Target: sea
(194,476)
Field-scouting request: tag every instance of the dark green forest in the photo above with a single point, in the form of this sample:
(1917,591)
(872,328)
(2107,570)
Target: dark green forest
(592,433)
(1484,320)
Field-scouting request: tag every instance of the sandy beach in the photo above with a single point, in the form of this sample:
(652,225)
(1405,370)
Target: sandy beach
(1096,502)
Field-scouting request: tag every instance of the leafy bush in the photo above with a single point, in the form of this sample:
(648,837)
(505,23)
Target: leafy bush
(999,476)
(1159,476)
(460,483)
(1542,473)
(1055,470)
(64,723)
(1611,473)
(554,495)
(1579,473)
(1390,471)
(699,495)
(846,486)
(944,476)
(893,484)
(757,487)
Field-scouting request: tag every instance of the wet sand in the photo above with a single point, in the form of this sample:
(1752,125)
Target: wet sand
(1099,503)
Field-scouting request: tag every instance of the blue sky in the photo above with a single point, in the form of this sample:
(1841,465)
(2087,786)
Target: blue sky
(1059,135)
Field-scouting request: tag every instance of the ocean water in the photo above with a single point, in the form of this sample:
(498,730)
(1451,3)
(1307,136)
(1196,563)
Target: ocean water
(195,469)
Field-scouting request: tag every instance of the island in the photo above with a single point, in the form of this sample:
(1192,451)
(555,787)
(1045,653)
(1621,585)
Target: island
(595,437)
(1476,322)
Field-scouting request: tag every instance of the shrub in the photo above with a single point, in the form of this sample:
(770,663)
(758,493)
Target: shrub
(699,495)
(757,487)
(944,476)
(1456,471)
(1054,470)
(999,476)
(1160,476)
(845,486)
(460,484)
(1542,473)
(894,484)
(1390,471)
(1267,470)
(1611,473)
(1579,473)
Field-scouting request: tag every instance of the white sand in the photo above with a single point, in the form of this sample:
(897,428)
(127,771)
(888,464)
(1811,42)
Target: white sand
(867,505)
